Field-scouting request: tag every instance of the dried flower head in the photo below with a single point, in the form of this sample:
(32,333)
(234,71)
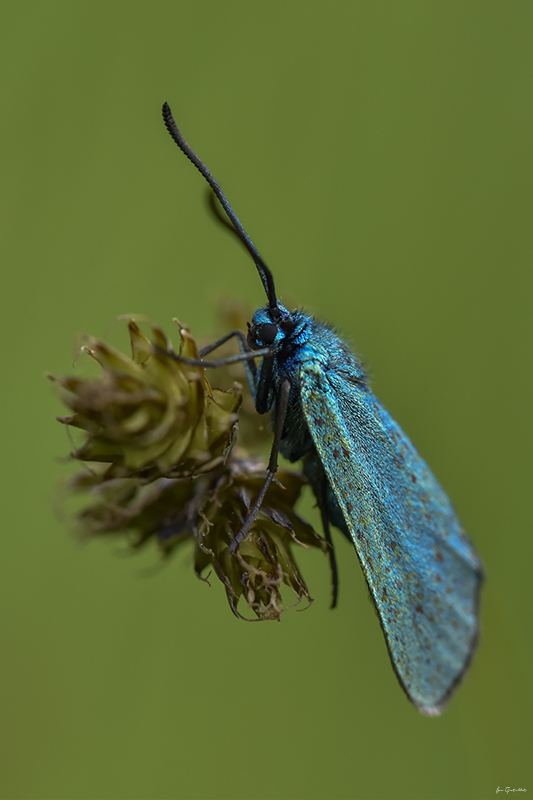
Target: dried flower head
(163,437)
(150,415)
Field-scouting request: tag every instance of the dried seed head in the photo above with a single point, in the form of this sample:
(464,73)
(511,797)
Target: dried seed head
(163,438)
(150,415)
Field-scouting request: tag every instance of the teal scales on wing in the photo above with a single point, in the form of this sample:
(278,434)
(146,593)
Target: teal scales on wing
(422,570)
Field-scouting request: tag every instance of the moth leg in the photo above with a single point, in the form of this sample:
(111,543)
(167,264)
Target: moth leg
(322,504)
(220,362)
(272,464)
(244,347)
(263,393)
(249,366)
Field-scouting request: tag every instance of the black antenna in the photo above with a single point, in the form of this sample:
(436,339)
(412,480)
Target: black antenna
(264,272)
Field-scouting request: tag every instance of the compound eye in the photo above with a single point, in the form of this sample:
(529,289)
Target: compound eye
(268,332)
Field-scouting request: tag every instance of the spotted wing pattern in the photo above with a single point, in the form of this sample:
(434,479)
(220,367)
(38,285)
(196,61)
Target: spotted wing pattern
(422,570)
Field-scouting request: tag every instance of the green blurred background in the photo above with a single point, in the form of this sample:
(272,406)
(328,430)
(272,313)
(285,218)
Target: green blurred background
(379,154)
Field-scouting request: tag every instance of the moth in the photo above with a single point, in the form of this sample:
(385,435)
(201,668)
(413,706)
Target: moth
(421,568)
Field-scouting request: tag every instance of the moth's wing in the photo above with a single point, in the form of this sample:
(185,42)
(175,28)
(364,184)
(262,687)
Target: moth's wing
(422,570)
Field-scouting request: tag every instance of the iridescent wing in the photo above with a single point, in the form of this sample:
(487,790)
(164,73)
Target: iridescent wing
(422,570)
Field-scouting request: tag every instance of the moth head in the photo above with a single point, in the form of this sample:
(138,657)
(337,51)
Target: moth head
(270,327)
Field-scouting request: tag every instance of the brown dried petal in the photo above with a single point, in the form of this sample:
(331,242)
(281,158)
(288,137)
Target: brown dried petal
(264,560)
